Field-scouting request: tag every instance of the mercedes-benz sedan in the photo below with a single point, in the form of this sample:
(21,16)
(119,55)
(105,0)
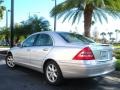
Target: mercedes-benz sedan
(62,55)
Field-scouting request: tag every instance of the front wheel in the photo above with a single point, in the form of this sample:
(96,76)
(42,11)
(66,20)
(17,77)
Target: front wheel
(9,61)
(53,73)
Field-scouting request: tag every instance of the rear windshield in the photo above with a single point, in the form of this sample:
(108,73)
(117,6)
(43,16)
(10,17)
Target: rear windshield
(75,38)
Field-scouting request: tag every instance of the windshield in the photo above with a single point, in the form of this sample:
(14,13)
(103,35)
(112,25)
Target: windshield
(75,38)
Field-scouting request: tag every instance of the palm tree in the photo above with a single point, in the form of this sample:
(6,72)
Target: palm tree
(2,9)
(33,24)
(36,24)
(103,36)
(112,40)
(110,34)
(5,34)
(74,9)
(117,31)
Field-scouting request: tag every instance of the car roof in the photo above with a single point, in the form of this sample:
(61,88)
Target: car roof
(57,39)
(51,32)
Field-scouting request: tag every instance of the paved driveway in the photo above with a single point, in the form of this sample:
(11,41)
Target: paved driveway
(26,79)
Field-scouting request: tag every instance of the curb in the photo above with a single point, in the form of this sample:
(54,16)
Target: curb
(3,51)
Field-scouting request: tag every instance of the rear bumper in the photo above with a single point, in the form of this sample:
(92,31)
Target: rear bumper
(80,69)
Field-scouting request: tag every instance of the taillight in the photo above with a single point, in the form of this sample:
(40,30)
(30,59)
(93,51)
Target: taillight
(85,54)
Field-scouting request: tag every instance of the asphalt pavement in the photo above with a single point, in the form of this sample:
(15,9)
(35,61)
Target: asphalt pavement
(27,79)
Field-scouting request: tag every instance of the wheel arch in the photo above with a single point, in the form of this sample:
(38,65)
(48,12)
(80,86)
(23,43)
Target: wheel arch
(59,75)
(48,60)
(9,53)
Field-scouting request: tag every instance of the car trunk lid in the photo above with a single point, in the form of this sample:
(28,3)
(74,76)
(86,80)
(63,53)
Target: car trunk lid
(102,52)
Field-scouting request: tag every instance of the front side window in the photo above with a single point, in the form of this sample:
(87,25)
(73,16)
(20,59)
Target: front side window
(43,40)
(29,41)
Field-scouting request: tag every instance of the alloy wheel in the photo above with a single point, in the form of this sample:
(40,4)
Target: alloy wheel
(10,61)
(52,73)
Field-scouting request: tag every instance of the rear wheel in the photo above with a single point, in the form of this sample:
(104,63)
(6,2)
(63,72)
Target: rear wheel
(99,78)
(9,61)
(53,73)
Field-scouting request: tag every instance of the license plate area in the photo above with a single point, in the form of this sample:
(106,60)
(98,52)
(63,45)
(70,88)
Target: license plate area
(104,55)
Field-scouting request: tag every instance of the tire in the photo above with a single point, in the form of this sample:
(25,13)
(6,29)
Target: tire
(53,73)
(99,78)
(10,61)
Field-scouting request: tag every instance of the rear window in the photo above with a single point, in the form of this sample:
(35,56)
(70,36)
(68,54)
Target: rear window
(75,38)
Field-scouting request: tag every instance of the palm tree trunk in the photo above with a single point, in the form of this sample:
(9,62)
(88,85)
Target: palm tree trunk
(88,19)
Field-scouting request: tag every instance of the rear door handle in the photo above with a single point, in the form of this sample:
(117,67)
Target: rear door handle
(45,49)
(28,50)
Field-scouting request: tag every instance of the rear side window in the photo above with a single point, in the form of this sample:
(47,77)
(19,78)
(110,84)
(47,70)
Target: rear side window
(43,40)
(75,38)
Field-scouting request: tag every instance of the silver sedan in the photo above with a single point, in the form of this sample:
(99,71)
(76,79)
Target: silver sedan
(62,55)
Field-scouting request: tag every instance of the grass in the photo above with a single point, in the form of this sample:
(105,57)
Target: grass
(116,46)
(118,65)
(4,46)
(117,55)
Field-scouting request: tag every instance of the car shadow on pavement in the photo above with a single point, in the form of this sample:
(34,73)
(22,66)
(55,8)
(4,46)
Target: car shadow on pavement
(67,84)
(27,79)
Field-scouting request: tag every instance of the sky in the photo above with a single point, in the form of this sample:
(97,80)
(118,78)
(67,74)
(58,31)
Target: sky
(25,8)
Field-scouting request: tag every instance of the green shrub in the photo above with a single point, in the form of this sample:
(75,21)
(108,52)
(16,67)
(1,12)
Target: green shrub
(116,44)
(118,65)
(117,56)
(117,53)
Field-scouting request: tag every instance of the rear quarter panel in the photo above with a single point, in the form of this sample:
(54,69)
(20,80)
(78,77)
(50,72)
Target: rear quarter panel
(60,53)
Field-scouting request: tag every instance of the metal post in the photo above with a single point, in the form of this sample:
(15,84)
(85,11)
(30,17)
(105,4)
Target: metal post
(6,18)
(29,15)
(55,18)
(12,24)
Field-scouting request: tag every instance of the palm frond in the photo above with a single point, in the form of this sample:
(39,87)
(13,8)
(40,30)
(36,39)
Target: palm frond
(94,16)
(70,9)
(100,14)
(68,14)
(112,5)
(112,13)
(77,15)
(64,6)
(71,15)
(80,16)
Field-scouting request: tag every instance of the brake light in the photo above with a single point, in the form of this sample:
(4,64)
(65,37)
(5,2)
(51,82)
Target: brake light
(85,54)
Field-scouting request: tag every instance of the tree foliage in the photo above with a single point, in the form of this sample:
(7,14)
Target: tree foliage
(2,9)
(89,9)
(110,35)
(21,31)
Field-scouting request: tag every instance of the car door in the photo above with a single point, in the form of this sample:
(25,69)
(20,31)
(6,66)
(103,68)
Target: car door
(41,48)
(22,54)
